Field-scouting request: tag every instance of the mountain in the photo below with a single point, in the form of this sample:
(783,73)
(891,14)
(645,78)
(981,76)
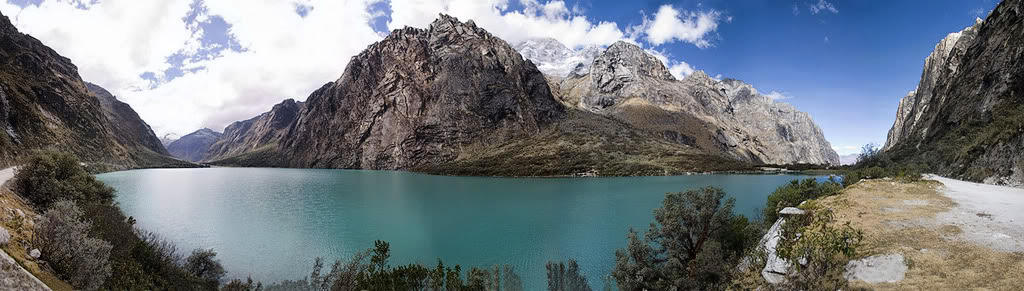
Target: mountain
(725,117)
(848,159)
(193,147)
(555,59)
(966,118)
(421,96)
(259,135)
(44,104)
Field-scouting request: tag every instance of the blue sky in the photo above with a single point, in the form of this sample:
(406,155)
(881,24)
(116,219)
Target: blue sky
(187,64)
(852,83)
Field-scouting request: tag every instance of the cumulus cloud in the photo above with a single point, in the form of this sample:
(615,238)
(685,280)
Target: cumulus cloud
(670,25)
(188,64)
(822,6)
(282,53)
(678,68)
(776,95)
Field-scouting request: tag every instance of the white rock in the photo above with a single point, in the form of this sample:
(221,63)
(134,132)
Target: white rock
(34,254)
(5,237)
(774,271)
(792,211)
(889,268)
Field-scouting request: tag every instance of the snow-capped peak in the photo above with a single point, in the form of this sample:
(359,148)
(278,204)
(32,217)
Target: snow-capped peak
(554,58)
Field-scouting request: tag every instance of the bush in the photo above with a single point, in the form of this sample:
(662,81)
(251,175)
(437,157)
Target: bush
(566,278)
(204,265)
(822,249)
(693,244)
(62,236)
(790,195)
(48,177)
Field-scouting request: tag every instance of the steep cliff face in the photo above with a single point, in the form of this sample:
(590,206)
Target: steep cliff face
(726,117)
(44,104)
(258,134)
(420,96)
(942,63)
(193,147)
(130,128)
(966,119)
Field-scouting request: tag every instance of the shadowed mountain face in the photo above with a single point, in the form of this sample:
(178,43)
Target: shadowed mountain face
(422,96)
(193,147)
(258,135)
(44,104)
(964,120)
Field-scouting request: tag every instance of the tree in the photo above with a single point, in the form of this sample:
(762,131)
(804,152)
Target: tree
(204,264)
(562,277)
(48,177)
(686,247)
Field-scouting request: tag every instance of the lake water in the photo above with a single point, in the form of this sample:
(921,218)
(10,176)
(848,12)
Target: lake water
(272,223)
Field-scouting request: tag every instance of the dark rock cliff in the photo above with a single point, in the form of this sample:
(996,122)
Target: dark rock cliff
(966,119)
(44,104)
(421,96)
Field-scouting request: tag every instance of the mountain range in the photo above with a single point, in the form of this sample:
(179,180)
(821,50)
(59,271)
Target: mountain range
(965,119)
(45,105)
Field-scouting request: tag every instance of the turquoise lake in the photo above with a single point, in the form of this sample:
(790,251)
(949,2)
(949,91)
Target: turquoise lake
(272,223)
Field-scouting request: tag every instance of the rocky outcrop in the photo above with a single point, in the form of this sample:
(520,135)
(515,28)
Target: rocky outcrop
(727,117)
(193,147)
(44,104)
(260,133)
(965,118)
(940,64)
(422,96)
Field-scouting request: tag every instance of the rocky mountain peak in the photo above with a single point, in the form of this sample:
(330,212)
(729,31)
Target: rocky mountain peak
(624,61)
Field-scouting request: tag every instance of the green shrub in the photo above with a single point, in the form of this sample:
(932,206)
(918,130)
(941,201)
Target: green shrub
(48,177)
(790,195)
(62,236)
(693,244)
(204,265)
(821,251)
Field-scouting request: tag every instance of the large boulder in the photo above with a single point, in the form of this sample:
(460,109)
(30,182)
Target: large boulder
(5,237)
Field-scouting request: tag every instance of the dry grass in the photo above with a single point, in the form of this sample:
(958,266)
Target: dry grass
(901,218)
(21,234)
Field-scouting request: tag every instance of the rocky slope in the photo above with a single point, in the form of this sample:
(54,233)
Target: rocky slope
(726,117)
(966,117)
(193,147)
(422,96)
(260,134)
(44,104)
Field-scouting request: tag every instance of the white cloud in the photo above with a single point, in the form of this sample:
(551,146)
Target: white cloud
(679,69)
(551,19)
(285,56)
(796,10)
(671,25)
(846,150)
(821,6)
(776,95)
(827,40)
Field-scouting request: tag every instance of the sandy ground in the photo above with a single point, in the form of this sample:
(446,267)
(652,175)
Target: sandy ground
(986,214)
(935,225)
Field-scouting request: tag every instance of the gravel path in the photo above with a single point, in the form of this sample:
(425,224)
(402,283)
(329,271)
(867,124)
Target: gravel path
(12,275)
(989,215)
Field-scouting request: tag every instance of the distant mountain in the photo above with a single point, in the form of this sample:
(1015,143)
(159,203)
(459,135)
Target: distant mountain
(44,104)
(259,135)
(168,139)
(964,120)
(193,147)
(555,59)
(725,117)
(848,159)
